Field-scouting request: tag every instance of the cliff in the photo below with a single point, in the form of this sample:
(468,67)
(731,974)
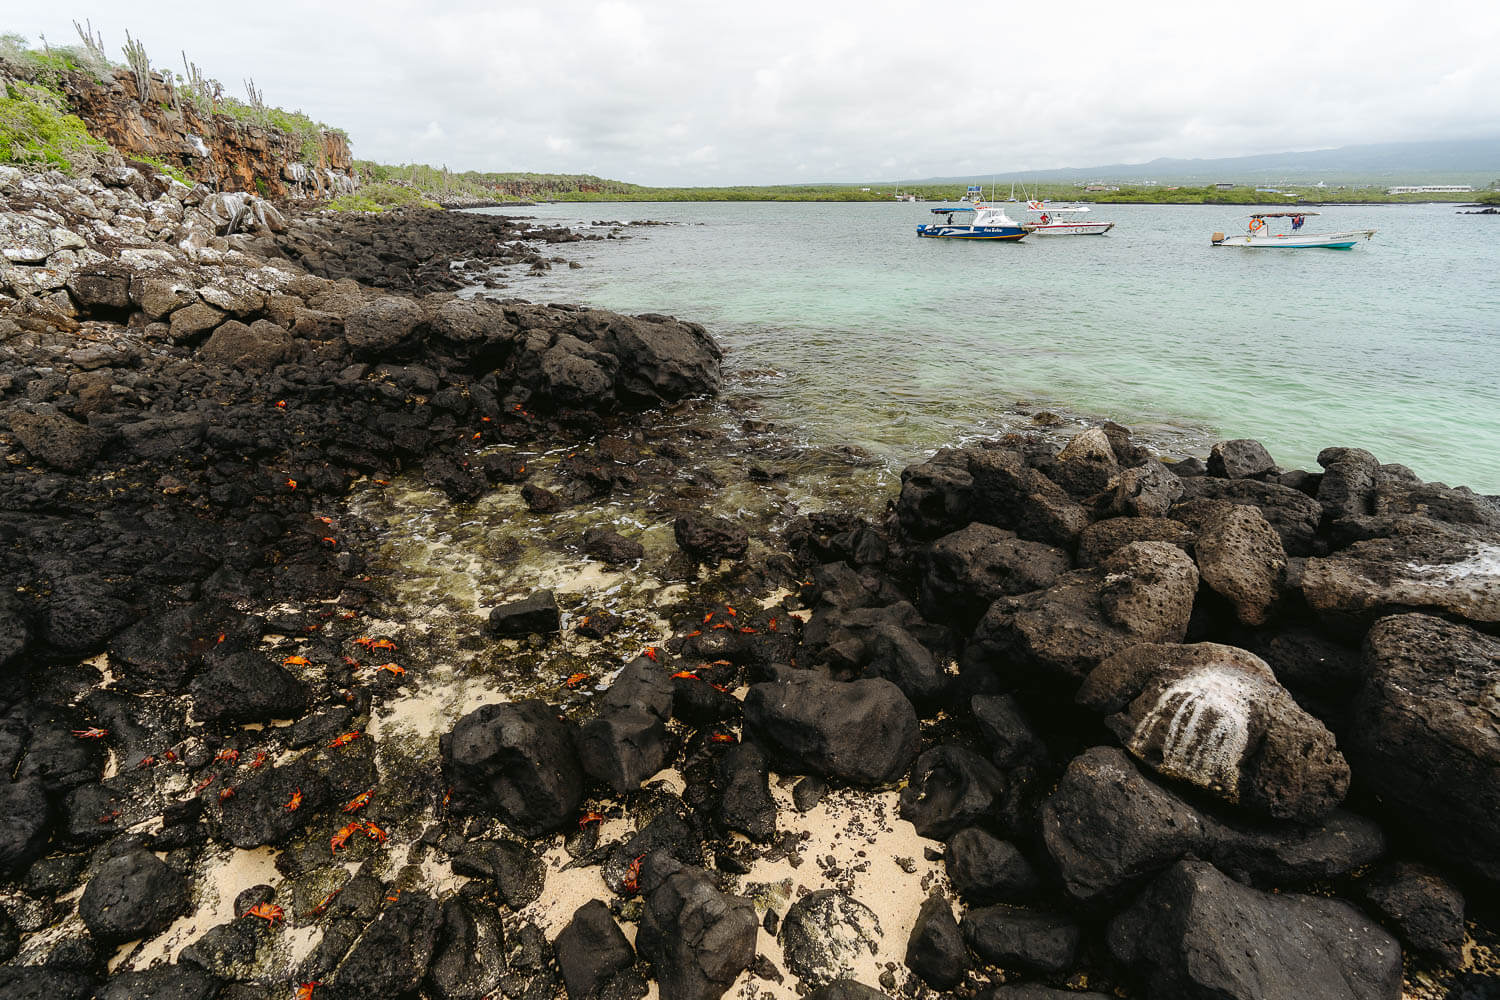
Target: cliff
(207,144)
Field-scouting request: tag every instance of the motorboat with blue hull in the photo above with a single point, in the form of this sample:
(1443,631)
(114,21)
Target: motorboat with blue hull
(973,222)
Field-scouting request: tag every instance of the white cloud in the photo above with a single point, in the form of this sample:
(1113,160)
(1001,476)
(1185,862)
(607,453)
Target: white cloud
(680,92)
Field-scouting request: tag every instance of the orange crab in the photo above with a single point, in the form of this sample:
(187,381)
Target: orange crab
(649,653)
(632,880)
(708,618)
(260,759)
(344,739)
(294,803)
(731,611)
(359,801)
(375,833)
(392,668)
(269,912)
(305,990)
(747,630)
(231,755)
(589,817)
(383,644)
(324,903)
(575,680)
(722,738)
(145,762)
(773,625)
(686,675)
(345,832)
(205,783)
(291,484)
(362,641)
(92,733)
(227,793)
(110,816)
(281,404)
(296,661)
(333,543)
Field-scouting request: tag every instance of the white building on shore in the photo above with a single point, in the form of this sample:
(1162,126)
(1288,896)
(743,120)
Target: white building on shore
(1430,189)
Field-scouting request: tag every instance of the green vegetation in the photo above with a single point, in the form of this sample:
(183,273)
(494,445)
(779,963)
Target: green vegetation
(172,171)
(379,197)
(35,128)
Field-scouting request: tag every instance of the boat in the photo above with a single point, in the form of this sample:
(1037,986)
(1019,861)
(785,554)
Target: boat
(1258,234)
(1062,220)
(973,221)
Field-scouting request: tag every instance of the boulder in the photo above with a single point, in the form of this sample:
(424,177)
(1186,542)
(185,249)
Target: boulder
(55,440)
(1108,828)
(984,869)
(133,895)
(935,949)
(468,958)
(391,955)
(1143,593)
(246,687)
(1145,491)
(611,547)
(1026,939)
(83,611)
(1215,716)
(536,614)
(863,732)
(257,347)
(1241,458)
(192,320)
(846,989)
(590,950)
(1348,482)
(1196,933)
(967,570)
(1426,910)
(1424,737)
(747,805)
(36,982)
(164,982)
(622,748)
(515,761)
(1085,464)
(826,934)
(23,834)
(709,539)
(1239,557)
(662,360)
(950,788)
(936,497)
(1009,494)
(698,938)
(381,324)
(1428,566)
(640,684)
(1294,515)
(896,655)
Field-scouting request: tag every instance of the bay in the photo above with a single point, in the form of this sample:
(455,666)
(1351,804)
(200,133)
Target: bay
(854,331)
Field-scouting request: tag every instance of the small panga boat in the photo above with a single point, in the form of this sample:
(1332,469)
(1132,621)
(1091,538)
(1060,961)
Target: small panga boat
(1258,234)
(1062,220)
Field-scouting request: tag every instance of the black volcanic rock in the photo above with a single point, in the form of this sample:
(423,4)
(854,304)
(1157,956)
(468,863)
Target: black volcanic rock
(515,761)
(863,732)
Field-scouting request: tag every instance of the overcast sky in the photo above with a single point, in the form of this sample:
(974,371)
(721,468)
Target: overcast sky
(677,92)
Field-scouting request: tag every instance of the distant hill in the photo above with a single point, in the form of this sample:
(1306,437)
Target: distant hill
(1466,161)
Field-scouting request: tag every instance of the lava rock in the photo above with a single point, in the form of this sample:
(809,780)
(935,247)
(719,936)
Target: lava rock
(1196,933)
(381,324)
(863,732)
(31,982)
(468,960)
(968,569)
(1027,939)
(536,614)
(392,953)
(1426,909)
(1215,716)
(747,805)
(611,547)
(709,539)
(698,938)
(1147,491)
(1430,566)
(935,951)
(846,989)
(165,982)
(591,949)
(1423,736)
(55,440)
(258,347)
(622,748)
(1240,557)
(825,934)
(131,896)
(1010,494)
(1241,458)
(1293,514)
(984,869)
(246,687)
(515,761)
(950,788)
(1086,464)
(23,833)
(897,656)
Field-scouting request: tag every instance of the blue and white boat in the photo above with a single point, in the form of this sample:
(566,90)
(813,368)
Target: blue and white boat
(973,221)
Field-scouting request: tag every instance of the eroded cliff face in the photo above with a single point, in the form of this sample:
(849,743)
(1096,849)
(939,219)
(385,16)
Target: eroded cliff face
(237,155)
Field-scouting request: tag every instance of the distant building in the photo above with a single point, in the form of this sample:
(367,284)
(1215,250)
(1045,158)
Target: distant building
(1429,189)
(1225,186)
(1102,187)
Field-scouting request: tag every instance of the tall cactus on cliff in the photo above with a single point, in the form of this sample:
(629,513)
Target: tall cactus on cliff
(140,66)
(94,58)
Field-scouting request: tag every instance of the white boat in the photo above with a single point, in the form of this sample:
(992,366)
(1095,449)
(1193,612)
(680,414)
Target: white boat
(1062,220)
(1258,234)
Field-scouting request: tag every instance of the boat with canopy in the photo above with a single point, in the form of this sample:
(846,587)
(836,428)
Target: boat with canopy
(1062,220)
(973,222)
(1258,234)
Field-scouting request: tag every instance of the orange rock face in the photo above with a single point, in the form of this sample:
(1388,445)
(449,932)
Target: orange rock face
(240,156)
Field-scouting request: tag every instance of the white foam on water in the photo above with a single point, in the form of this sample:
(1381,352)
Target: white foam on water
(1204,723)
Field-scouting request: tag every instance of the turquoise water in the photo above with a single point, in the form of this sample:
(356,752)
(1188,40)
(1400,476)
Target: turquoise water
(853,330)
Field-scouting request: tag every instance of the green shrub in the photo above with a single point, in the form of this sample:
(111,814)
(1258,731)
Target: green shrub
(379,197)
(36,128)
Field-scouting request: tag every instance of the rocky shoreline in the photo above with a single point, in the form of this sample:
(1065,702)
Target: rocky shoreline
(1064,720)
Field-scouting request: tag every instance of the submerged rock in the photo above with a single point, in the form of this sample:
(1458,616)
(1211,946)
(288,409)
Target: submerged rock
(536,614)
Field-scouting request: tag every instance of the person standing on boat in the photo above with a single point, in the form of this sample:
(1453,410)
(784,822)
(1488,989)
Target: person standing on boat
(1297,221)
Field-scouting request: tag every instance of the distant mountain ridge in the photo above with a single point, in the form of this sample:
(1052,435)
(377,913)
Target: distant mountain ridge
(1457,161)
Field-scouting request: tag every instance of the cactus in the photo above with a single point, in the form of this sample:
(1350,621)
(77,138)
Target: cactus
(140,66)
